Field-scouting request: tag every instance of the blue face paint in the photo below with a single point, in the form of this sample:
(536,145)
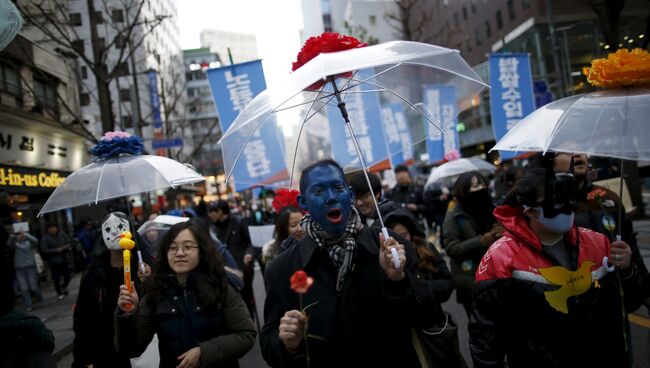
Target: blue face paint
(327,198)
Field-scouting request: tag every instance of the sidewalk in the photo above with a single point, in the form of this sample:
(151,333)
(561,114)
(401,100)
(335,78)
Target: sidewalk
(57,314)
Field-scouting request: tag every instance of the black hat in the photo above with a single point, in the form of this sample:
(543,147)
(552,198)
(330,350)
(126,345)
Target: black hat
(406,218)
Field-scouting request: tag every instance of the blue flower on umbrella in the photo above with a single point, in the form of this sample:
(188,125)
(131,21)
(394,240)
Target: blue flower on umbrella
(116,143)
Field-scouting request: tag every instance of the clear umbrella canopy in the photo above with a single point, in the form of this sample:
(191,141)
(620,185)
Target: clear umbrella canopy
(447,173)
(610,123)
(118,177)
(310,125)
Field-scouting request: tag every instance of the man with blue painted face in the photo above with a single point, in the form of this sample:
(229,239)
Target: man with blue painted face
(362,304)
(549,293)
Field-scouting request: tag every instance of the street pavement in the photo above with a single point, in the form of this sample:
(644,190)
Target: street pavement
(57,315)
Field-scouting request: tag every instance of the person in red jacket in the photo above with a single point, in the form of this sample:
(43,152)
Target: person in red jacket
(550,294)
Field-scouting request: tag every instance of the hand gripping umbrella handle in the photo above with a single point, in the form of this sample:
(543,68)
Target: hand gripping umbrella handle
(393,251)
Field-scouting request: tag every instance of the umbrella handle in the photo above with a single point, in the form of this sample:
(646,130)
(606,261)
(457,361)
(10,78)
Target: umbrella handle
(141,262)
(393,251)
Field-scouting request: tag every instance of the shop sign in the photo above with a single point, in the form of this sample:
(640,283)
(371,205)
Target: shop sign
(25,180)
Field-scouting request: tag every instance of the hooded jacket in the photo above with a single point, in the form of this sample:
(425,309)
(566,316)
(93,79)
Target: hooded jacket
(513,315)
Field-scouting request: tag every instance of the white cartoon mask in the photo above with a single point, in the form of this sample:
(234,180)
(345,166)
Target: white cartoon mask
(112,228)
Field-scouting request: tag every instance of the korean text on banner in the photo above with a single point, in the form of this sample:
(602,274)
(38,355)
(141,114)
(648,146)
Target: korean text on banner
(440,101)
(398,136)
(364,113)
(262,160)
(511,93)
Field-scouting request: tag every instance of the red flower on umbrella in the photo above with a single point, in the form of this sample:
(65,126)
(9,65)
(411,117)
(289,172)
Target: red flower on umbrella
(285,198)
(300,282)
(326,42)
(597,194)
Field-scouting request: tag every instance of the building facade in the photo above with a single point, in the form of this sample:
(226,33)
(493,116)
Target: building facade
(138,39)
(41,141)
(203,123)
(242,46)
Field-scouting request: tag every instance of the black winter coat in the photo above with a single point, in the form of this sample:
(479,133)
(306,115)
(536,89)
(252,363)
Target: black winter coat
(223,330)
(234,234)
(93,314)
(367,324)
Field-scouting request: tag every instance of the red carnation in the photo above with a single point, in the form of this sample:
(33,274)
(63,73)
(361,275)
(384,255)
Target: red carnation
(300,282)
(285,198)
(326,42)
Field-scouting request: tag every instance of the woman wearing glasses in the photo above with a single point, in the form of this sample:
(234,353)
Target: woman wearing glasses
(200,320)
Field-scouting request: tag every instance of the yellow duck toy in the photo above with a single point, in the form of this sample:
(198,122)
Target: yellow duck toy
(572,283)
(127,244)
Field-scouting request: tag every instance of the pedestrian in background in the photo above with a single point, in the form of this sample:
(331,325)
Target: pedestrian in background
(55,245)
(406,193)
(24,246)
(287,223)
(198,317)
(469,229)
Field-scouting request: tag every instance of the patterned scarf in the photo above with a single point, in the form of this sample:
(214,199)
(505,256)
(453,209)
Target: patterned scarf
(340,249)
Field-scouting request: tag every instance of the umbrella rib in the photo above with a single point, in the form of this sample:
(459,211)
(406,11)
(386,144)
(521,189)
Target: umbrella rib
(410,104)
(302,103)
(556,127)
(302,126)
(360,82)
(99,183)
(161,174)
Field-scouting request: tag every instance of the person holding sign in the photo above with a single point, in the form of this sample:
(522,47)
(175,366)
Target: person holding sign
(548,293)
(358,306)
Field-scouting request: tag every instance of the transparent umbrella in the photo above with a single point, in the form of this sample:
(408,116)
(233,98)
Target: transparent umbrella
(448,172)
(609,123)
(116,177)
(393,72)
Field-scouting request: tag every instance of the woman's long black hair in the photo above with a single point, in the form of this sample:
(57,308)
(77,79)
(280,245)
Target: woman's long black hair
(281,231)
(209,282)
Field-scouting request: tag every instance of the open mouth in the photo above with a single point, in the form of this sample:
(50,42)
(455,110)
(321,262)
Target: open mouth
(334,215)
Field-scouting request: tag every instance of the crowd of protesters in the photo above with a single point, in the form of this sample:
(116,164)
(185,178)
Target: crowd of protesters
(508,254)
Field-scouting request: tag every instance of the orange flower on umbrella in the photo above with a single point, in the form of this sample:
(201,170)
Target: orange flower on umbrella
(620,69)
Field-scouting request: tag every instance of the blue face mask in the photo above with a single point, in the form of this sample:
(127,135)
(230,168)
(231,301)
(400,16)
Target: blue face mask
(559,224)
(328,198)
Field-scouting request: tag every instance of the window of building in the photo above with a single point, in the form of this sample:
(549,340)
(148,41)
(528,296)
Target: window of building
(120,42)
(464,13)
(488,29)
(468,45)
(122,69)
(9,80)
(525,4)
(127,120)
(125,95)
(472,6)
(84,99)
(511,9)
(456,21)
(117,15)
(100,43)
(75,19)
(499,20)
(190,92)
(78,46)
(84,72)
(477,34)
(372,19)
(45,93)
(99,18)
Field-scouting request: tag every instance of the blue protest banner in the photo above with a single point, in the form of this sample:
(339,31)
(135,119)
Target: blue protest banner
(440,102)
(154,99)
(262,159)
(167,143)
(511,93)
(364,112)
(398,137)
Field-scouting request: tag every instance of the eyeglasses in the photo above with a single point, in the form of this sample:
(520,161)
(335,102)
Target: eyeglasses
(187,247)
